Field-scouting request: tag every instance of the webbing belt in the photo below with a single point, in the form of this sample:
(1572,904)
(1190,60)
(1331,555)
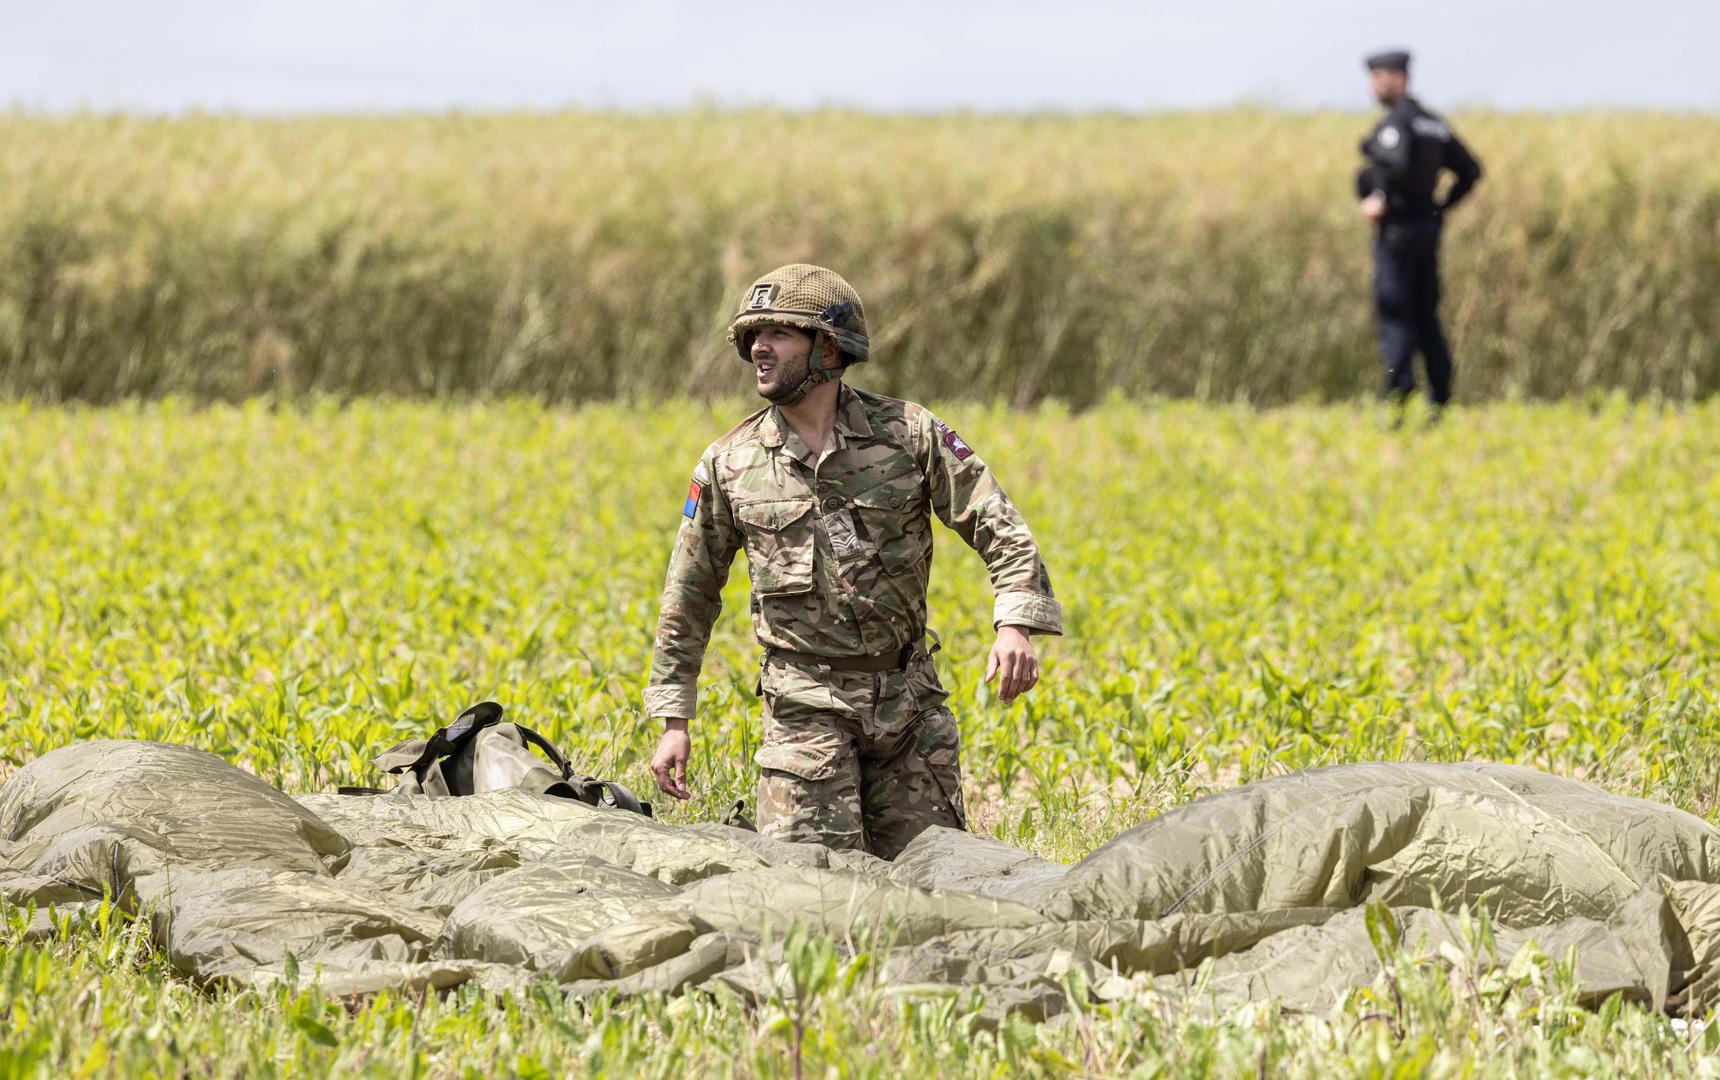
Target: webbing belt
(889,661)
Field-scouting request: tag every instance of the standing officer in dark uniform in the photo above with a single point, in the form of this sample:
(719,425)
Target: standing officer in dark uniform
(1397,188)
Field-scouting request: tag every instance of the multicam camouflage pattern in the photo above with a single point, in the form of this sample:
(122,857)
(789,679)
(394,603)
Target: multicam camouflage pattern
(840,551)
(810,297)
(839,546)
(856,760)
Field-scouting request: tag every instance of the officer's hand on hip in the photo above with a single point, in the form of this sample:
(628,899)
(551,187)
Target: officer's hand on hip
(1374,207)
(1012,662)
(669,763)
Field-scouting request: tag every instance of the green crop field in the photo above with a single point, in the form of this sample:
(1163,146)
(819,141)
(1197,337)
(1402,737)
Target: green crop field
(1248,592)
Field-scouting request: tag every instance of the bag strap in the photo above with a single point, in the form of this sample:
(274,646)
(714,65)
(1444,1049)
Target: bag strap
(448,740)
(532,738)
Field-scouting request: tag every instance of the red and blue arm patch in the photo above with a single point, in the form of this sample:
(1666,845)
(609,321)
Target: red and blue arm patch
(696,491)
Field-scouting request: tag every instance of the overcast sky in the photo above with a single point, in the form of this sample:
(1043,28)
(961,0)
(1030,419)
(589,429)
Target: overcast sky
(877,54)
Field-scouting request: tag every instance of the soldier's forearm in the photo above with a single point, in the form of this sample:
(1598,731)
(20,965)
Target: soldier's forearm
(683,633)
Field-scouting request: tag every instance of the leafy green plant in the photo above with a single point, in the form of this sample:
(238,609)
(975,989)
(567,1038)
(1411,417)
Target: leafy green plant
(298,586)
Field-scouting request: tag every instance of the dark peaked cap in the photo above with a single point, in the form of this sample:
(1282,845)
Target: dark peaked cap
(1390,60)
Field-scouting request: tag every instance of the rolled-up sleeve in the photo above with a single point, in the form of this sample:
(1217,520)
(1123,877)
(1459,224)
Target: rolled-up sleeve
(1042,613)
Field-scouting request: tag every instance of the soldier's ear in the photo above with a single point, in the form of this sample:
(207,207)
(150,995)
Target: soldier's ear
(831,355)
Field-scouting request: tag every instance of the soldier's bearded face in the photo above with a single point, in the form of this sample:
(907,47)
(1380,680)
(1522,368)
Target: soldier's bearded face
(781,356)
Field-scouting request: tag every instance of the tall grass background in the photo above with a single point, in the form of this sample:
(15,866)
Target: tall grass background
(576,256)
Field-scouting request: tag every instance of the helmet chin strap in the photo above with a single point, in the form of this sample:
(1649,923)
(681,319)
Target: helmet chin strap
(815,375)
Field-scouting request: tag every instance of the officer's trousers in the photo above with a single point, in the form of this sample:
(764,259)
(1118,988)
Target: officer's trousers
(1406,295)
(856,759)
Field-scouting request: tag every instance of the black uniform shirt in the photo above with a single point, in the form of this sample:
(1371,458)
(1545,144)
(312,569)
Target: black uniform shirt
(1405,153)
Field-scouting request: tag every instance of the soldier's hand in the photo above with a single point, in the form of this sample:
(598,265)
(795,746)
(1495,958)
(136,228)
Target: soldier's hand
(1013,663)
(1374,207)
(669,763)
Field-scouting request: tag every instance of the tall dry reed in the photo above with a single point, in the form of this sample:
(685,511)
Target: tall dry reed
(574,256)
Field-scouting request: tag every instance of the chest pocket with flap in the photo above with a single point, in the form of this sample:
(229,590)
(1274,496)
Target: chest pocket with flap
(894,518)
(779,540)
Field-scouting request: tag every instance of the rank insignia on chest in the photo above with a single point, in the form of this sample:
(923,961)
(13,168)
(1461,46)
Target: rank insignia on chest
(844,538)
(960,449)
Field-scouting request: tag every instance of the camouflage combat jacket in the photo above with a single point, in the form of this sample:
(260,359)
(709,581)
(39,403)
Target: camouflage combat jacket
(839,545)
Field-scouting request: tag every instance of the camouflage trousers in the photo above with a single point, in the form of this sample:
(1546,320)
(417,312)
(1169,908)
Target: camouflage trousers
(857,759)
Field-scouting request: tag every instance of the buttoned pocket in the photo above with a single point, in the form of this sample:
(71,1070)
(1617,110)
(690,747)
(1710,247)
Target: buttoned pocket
(896,522)
(814,756)
(801,737)
(779,542)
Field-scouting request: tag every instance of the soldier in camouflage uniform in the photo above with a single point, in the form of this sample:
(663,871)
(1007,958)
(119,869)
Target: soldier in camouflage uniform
(831,492)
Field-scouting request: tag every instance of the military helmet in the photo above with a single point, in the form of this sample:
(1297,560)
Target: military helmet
(809,297)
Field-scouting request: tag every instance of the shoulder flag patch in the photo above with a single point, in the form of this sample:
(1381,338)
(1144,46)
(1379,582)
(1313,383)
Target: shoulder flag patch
(960,449)
(695,491)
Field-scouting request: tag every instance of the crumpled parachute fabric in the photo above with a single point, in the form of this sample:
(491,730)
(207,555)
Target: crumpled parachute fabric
(1270,881)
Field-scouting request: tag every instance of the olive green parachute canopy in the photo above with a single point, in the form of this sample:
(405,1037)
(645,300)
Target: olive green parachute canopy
(810,297)
(1282,884)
